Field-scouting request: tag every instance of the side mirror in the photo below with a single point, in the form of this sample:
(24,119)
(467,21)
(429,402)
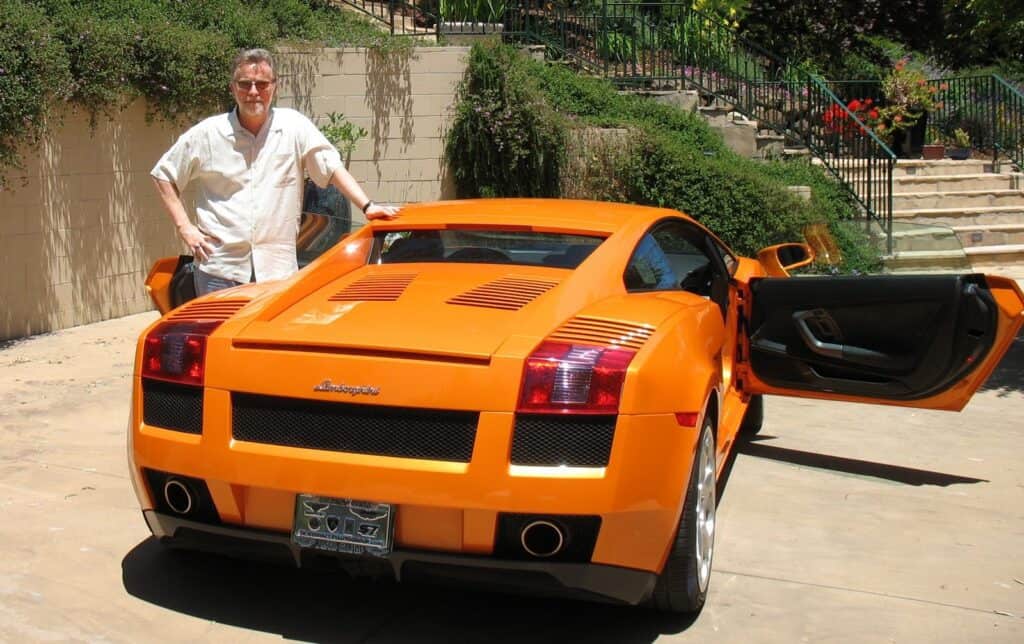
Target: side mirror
(780,259)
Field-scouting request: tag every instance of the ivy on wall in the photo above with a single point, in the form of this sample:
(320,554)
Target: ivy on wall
(96,55)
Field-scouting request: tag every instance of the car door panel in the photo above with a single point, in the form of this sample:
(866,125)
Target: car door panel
(158,282)
(915,340)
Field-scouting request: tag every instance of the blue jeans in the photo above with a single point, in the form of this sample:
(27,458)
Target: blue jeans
(206,283)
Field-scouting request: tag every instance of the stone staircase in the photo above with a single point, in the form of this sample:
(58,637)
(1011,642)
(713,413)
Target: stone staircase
(947,215)
(957,215)
(741,134)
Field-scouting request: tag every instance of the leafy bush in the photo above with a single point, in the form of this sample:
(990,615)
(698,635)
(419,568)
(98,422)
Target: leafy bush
(33,73)
(472,10)
(504,140)
(101,62)
(182,72)
(99,54)
(673,158)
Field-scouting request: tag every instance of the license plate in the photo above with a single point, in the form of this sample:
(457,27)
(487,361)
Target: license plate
(343,525)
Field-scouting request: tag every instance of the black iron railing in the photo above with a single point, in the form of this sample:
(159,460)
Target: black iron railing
(987,109)
(670,45)
(413,18)
(665,45)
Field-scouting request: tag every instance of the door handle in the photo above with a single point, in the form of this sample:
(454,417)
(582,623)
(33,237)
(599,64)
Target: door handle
(827,349)
(847,353)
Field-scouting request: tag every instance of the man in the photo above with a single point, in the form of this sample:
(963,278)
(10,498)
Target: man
(248,166)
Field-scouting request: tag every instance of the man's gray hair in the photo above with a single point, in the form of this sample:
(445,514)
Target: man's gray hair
(252,56)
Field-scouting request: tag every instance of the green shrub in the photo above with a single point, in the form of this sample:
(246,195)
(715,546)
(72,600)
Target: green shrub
(101,63)
(673,159)
(33,75)
(504,140)
(98,54)
(743,206)
(181,71)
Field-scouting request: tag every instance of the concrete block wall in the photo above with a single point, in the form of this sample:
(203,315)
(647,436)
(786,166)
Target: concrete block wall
(403,100)
(81,224)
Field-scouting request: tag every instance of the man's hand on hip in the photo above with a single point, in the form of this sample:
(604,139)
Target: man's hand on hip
(201,245)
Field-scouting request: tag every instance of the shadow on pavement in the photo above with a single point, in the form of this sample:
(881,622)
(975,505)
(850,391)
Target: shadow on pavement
(895,473)
(1009,374)
(332,607)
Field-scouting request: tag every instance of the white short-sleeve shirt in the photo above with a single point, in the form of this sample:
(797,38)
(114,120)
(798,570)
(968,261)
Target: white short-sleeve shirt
(249,188)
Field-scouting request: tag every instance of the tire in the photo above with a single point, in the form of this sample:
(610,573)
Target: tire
(754,416)
(682,586)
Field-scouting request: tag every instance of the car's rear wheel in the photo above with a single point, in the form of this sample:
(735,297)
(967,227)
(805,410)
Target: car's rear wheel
(754,416)
(682,586)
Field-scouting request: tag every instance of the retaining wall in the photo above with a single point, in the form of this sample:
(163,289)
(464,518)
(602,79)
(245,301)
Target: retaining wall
(81,224)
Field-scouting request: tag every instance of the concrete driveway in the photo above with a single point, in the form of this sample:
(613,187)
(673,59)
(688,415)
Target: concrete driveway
(843,522)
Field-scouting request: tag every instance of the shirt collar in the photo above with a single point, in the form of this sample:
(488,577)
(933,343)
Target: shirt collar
(239,130)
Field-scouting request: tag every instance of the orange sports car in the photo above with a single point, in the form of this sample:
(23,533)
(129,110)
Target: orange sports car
(533,395)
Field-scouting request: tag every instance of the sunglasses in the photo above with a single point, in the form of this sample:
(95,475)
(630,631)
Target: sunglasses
(247,85)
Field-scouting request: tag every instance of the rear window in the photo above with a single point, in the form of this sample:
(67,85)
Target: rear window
(497,246)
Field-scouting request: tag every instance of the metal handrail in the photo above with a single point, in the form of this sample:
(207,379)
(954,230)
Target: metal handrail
(671,45)
(987,108)
(1008,127)
(403,18)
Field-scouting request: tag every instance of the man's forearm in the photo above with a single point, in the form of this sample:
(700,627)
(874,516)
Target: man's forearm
(171,201)
(199,243)
(343,180)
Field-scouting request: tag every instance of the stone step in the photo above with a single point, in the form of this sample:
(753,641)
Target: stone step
(687,100)
(1006,260)
(958,199)
(957,182)
(928,261)
(921,167)
(770,146)
(990,235)
(914,237)
(717,117)
(962,216)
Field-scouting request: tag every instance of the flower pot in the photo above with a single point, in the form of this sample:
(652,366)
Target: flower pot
(908,142)
(959,154)
(933,151)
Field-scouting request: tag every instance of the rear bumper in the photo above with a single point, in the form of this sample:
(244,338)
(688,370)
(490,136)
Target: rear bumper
(593,582)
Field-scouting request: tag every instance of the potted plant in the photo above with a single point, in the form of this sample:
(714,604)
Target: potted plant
(908,99)
(935,149)
(961,149)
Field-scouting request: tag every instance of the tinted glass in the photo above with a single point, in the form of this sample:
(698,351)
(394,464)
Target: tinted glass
(668,258)
(496,246)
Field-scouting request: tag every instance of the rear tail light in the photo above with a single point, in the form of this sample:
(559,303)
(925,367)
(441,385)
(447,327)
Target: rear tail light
(574,378)
(176,352)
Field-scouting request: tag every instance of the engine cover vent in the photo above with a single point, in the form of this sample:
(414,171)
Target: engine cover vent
(208,310)
(377,288)
(612,333)
(507,293)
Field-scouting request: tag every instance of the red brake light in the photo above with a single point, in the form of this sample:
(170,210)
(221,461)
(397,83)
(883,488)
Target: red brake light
(176,352)
(574,379)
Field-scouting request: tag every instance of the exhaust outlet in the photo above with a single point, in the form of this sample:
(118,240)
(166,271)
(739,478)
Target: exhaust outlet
(178,496)
(542,539)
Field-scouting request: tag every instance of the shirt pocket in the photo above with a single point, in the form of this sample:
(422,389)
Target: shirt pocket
(282,170)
